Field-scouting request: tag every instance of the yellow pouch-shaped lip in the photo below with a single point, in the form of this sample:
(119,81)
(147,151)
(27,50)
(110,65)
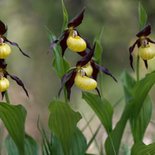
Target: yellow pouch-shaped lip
(5,51)
(84,82)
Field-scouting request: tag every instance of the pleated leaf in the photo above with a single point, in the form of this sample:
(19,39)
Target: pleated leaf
(142,149)
(102,109)
(31,147)
(13,117)
(139,124)
(62,122)
(135,103)
(65,15)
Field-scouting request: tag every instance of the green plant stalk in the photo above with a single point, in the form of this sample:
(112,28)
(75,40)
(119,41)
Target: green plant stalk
(137,68)
(7,97)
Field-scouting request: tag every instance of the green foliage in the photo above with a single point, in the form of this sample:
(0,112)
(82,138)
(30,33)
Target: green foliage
(60,114)
(135,102)
(31,147)
(142,16)
(102,109)
(65,15)
(142,149)
(13,117)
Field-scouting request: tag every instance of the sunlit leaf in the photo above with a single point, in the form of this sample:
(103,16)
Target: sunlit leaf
(101,107)
(31,147)
(142,149)
(13,117)
(63,123)
(142,16)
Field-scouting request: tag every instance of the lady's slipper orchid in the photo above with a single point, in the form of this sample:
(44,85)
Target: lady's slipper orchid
(4,84)
(84,75)
(144,49)
(71,39)
(3,39)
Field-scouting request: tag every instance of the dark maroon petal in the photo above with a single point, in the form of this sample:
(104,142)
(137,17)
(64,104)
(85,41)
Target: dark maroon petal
(19,82)
(69,85)
(131,48)
(146,64)
(95,70)
(65,79)
(3,28)
(151,41)
(3,93)
(3,64)
(86,58)
(98,92)
(15,44)
(76,21)
(145,31)
(105,70)
(63,42)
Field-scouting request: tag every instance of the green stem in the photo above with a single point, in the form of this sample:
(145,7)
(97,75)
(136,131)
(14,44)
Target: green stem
(137,68)
(7,97)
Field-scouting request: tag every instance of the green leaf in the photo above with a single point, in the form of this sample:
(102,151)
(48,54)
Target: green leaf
(101,107)
(62,122)
(98,48)
(65,16)
(142,149)
(133,107)
(78,143)
(142,16)
(60,65)
(30,146)
(13,117)
(140,123)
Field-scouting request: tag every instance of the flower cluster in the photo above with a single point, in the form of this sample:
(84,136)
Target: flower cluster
(143,44)
(5,51)
(84,75)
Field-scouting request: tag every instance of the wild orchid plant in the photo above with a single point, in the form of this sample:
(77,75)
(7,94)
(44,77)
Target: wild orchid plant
(65,137)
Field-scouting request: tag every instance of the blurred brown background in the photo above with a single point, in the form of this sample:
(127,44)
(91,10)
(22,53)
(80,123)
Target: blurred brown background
(27,22)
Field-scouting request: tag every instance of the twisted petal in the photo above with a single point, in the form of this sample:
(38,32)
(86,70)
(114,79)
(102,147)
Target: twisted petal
(19,82)
(151,41)
(3,28)
(131,48)
(104,70)
(76,21)
(145,31)
(15,44)
(68,81)
(146,64)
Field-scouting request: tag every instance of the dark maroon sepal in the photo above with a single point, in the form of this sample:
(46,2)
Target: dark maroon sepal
(145,31)
(18,81)
(131,49)
(3,28)
(63,42)
(146,64)
(76,21)
(15,44)
(87,57)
